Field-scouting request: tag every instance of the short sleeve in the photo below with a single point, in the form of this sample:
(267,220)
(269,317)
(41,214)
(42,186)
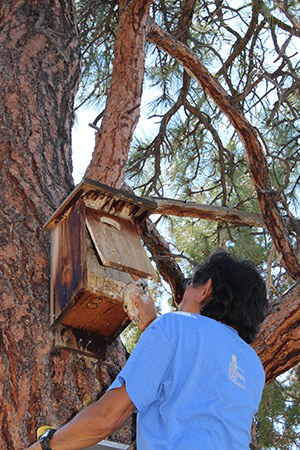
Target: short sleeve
(146,368)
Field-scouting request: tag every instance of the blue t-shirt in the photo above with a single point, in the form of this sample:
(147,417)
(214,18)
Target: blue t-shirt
(195,383)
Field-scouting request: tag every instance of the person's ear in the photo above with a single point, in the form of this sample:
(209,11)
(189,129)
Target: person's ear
(204,291)
(208,288)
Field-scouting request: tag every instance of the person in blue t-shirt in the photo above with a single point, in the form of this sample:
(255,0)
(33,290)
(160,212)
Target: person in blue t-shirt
(193,378)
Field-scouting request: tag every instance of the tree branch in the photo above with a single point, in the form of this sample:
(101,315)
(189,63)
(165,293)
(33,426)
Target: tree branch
(171,207)
(206,122)
(284,8)
(274,20)
(256,159)
(241,43)
(167,267)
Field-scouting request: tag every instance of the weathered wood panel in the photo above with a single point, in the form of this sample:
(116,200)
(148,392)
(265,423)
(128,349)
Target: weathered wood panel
(118,243)
(89,306)
(68,259)
(96,269)
(106,198)
(93,312)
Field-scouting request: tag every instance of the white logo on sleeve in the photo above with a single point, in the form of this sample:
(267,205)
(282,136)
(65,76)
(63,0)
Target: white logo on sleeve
(235,373)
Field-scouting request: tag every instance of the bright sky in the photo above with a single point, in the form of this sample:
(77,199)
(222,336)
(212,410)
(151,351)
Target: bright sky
(84,136)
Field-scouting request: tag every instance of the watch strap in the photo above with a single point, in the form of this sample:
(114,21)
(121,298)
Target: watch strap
(45,439)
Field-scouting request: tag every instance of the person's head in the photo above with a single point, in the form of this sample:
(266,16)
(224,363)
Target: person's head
(230,291)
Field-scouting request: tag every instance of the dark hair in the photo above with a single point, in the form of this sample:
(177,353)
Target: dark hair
(239,296)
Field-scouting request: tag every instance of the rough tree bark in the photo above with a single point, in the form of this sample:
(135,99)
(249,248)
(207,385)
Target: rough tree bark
(39,73)
(171,207)
(123,104)
(278,341)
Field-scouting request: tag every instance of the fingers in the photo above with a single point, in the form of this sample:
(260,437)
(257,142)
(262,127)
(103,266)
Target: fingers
(139,299)
(138,304)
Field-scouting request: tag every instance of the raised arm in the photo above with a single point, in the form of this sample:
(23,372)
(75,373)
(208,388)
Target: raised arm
(93,423)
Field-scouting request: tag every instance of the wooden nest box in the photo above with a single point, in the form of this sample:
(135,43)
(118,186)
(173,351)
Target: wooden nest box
(95,251)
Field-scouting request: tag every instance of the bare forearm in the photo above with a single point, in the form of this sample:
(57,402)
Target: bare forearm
(86,429)
(93,423)
(83,431)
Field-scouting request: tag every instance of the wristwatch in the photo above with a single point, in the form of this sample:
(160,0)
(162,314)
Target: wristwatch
(45,438)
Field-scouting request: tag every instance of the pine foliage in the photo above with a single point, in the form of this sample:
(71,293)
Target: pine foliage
(278,419)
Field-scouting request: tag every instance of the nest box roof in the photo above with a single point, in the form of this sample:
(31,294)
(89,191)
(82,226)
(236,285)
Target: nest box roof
(108,199)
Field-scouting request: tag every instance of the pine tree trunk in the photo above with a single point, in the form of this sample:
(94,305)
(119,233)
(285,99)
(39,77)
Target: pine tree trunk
(39,73)
(124,100)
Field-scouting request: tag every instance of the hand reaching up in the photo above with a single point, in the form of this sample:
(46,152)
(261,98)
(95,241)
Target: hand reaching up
(138,304)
